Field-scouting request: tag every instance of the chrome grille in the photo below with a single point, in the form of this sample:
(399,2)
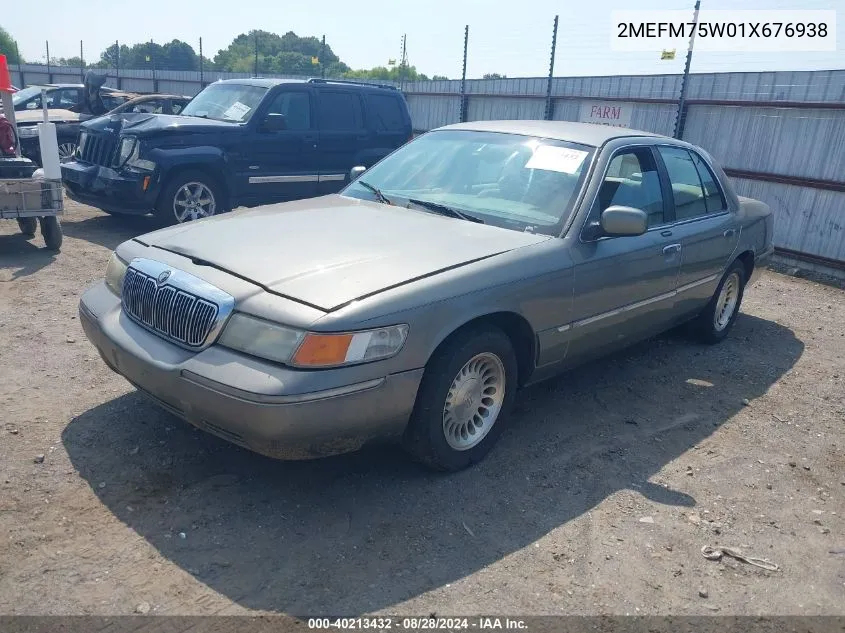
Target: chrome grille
(99,149)
(171,312)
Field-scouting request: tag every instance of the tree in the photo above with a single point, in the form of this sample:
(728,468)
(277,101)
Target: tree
(8,48)
(439,78)
(284,54)
(494,76)
(75,62)
(396,73)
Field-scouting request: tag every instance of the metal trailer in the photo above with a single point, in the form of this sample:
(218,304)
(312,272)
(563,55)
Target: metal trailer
(33,201)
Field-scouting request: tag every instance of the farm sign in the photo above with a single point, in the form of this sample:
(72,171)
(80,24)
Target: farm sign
(615,113)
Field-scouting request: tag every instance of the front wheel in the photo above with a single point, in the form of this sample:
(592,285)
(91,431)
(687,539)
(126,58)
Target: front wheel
(67,151)
(718,317)
(466,392)
(51,231)
(190,195)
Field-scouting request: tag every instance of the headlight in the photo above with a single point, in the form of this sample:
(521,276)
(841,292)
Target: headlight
(28,131)
(127,146)
(115,272)
(305,349)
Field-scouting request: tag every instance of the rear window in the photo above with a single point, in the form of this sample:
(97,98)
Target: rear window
(386,113)
(339,110)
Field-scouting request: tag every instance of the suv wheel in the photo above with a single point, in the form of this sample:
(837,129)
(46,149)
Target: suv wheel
(466,392)
(67,151)
(191,195)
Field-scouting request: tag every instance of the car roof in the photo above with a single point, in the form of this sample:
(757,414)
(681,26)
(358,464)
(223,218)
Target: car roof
(269,82)
(585,133)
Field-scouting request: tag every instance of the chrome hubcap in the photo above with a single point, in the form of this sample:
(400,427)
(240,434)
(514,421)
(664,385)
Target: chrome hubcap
(474,401)
(193,201)
(726,304)
(66,151)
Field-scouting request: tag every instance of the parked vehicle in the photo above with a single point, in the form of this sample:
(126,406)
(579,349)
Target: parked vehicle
(59,96)
(241,142)
(67,121)
(474,260)
(154,104)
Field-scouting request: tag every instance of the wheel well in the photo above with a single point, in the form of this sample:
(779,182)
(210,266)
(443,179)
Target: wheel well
(212,172)
(747,259)
(517,329)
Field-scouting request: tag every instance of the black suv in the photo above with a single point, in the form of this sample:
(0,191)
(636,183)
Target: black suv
(239,142)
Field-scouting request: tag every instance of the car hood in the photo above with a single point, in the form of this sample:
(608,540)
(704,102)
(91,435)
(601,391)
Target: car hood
(30,117)
(146,124)
(328,251)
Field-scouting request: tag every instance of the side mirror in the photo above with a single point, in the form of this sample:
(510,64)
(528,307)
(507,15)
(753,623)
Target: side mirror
(274,123)
(356,172)
(619,220)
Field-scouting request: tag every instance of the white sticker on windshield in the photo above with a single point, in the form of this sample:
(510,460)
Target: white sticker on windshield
(236,111)
(553,158)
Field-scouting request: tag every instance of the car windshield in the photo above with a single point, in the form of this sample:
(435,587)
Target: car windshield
(508,180)
(226,102)
(22,95)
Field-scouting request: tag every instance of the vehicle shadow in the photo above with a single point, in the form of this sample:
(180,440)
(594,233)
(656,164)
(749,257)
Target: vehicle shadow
(357,533)
(24,256)
(110,230)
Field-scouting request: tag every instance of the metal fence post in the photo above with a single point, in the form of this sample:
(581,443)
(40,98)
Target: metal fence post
(153,62)
(255,70)
(117,63)
(681,119)
(20,69)
(49,72)
(202,63)
(549,103)
(463,114)
(81,62)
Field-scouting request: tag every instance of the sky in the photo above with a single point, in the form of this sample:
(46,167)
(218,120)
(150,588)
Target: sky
(509,37)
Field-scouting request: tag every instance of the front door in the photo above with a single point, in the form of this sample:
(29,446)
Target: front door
(281,165)
(624,287)
(342,135)
(705,226)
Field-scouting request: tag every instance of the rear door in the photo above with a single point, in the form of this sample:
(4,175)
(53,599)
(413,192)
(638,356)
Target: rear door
(389,121)
(704,225)
(340,118)
(282,164)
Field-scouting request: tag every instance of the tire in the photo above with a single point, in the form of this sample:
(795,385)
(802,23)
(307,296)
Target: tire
(51,231)
(183,187)
(718,317)
(67,151)
(438,431)
(28,226)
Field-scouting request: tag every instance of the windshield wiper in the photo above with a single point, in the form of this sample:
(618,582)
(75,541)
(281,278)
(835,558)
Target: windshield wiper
(442,209)
(376,192)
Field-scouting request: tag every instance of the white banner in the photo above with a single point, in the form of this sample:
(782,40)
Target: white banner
(740,30)
(615,113)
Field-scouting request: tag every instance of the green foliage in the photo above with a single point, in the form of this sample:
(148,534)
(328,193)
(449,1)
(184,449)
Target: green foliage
(396,73)
(74,62)
(439,78)
(494,76)
(7,47)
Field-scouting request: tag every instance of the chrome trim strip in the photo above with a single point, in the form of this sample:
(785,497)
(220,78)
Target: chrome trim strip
(695,284)
(638,304)
(256,180)
(258,398)
(331,177)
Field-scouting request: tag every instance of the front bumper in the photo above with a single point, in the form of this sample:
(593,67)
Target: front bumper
(266,418)
(106,188)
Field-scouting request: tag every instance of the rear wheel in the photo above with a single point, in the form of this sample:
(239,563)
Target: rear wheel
(28,226)
(190,195)
(718,317)
(466,392)
(51,231)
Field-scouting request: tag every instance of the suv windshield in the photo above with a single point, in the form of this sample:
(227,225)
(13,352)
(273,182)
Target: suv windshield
(226,102)
(508,180)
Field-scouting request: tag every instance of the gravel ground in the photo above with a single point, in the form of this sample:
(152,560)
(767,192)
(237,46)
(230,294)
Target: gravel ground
(598,498)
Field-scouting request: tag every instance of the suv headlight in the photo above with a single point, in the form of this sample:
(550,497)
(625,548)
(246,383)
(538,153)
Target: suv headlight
(308,349)
(115,272)
(28,131)
(127,146)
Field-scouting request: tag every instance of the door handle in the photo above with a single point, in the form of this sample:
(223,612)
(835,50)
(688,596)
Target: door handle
(729,233)
(672,248)
(666,233)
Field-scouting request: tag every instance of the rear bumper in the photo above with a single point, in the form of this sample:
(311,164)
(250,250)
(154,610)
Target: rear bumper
(105,188)
(197,387)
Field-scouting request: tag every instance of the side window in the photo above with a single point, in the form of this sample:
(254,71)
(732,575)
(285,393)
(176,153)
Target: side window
(176,107)
(296,106)
(686,184)
(713,197)
(64,98)
(339,111)
(632,181)
(385,113)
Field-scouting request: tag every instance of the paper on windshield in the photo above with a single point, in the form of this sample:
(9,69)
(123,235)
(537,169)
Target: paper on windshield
(236,111)
(561,159)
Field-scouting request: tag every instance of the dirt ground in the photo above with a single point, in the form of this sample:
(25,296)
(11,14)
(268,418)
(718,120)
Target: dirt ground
(598,498)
